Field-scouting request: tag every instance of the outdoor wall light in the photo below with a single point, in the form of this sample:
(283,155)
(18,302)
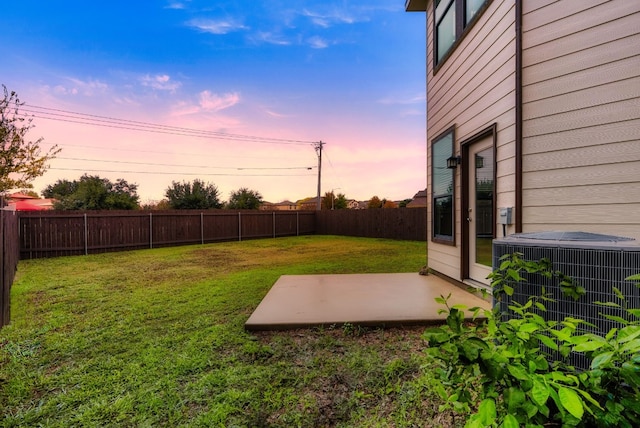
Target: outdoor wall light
(453,162)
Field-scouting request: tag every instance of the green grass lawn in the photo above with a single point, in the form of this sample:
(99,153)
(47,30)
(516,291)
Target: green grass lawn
(156,338)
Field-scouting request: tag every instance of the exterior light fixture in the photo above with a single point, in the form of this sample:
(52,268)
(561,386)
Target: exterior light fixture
(453,162)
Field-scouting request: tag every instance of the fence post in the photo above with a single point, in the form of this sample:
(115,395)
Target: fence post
(150,230)
(297,223)
(202,228)
(239,226)
(86,237)
(274,224)
(3,267)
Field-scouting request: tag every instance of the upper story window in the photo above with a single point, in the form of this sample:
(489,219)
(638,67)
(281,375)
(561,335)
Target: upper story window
(472,7)
(445,27)
(451,19)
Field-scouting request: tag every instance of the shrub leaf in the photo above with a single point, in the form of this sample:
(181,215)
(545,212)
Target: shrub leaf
(539,393)
(571,402)
(510,421)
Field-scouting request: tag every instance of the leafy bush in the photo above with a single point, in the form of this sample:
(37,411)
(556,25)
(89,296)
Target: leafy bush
(515,372)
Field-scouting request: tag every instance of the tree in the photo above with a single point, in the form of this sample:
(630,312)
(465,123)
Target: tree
(404,203)
(327,199)
(156,205)
(60,189)
(330,201)
(389,204)
(92,192)
(193,196)
(340,203)
(245,199)
(374,202)
(20,160)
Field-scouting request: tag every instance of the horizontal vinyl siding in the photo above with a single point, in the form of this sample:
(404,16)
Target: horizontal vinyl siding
(578,24)
(594,76)
(473,65)
(444,259)
(603,154)
(530,6)
(591,175)
(604,94)
(619,131)
(539,70)
(581,117)
(602,194)
(597,217)
(472,89)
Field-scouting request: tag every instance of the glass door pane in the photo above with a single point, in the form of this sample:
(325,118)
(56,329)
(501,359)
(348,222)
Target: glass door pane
(484,209)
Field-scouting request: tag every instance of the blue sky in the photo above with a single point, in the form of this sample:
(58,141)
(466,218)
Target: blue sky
(285,73)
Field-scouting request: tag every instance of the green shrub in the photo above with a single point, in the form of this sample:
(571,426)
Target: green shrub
(515,372)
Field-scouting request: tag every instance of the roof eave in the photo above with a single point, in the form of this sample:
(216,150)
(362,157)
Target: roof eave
(415,5)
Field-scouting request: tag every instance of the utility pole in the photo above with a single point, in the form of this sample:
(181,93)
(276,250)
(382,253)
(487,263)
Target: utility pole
(318,147)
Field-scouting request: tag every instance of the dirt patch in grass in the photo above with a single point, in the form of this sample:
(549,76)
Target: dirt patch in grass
(353,373)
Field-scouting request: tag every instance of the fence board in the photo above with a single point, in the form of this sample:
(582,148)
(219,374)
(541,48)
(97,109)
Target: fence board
(401,223)
(220,227)
(9,254)
(60,233)
(176,228)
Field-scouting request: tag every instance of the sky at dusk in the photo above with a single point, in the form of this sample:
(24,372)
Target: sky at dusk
(234,93)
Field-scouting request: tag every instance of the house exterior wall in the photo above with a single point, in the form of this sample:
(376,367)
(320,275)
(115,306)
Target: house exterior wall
(581,116)
(471,90)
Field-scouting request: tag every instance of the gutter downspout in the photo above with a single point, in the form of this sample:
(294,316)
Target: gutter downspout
(518,124)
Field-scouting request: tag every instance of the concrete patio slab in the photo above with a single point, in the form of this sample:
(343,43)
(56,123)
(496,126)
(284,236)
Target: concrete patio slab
(297,301)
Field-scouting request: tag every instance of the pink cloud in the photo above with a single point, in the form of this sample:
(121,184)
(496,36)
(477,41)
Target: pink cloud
(74,86)
(215,102)
(160,82)
(207,102)
(274,114)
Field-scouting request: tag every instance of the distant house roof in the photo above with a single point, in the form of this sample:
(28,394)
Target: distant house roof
(419,199)
(309,203)
(45,203)
(18,196)
(33,204)
(23,205)
(266,206)
(284,205)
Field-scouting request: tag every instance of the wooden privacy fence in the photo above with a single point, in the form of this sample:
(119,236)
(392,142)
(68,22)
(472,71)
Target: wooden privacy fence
(30,235)
(66,233)
(56,233)
(9,252)
(402,223)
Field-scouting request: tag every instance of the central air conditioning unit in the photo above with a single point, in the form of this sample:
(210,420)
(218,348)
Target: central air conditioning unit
(596,262)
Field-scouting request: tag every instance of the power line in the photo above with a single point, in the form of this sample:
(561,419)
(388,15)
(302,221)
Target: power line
(117,123)
(182,165)
(334,170)
(111,122)
(181,173)
(120,149)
